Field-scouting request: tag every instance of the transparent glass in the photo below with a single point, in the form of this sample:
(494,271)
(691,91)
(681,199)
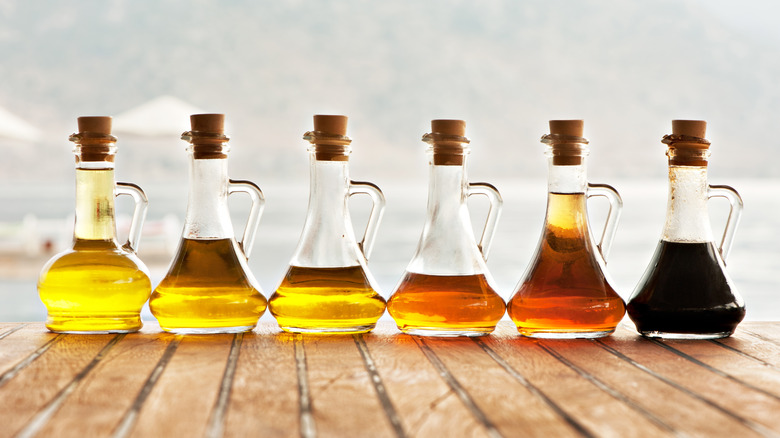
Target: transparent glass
(566,290)
(209,287)
(328,287)
(686,292)
(97,286)
(447,289)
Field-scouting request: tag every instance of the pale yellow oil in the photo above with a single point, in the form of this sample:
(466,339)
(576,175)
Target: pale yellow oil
(208,289)
(326,300)
(96,286)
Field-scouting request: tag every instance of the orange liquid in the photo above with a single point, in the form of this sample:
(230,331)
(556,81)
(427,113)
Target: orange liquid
(445,305)
(565,293)
(326,300)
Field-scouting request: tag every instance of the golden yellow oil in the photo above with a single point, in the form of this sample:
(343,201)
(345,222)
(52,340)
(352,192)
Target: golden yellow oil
(208,289)
(96,286)
(326,300)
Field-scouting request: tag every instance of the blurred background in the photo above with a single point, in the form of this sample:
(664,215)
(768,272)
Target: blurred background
(504,66)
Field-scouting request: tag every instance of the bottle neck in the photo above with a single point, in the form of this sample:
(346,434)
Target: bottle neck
(446,192)
(95,218)
(207,215)
(328,238)
(566,178)
(687,218)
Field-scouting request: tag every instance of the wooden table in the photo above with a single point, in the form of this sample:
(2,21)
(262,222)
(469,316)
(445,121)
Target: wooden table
(267,383)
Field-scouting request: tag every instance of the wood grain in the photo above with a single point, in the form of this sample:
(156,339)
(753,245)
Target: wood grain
(20,343)
(263,401)
(752,408)
(425,404)
(343,398)
(511,409)
(29,391)
(594,405)
(182,400)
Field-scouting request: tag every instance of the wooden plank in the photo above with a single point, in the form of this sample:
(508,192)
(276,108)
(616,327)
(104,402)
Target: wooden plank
(343,400)
(263,401)
(760,375)
(425,405)
(753,409)
(769,331)
(674,407)
(753,346)
(20,341)
(181,402)
(590,404)
(96,407)
(38,383)
(511,409)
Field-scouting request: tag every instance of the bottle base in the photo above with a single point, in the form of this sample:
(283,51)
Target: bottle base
(208,330)
(685,336)
(329,330)
(93,325)
(439,332)
(565,335)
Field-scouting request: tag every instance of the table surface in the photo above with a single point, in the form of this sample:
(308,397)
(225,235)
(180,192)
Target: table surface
(269,383)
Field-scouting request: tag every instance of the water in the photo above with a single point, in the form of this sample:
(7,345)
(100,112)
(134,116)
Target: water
(753,263)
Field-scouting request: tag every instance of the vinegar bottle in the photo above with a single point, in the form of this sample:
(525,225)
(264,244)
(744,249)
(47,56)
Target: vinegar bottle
(447,289)
(565,292)
(686,292)
(97,286)
(209,288)
(328,288)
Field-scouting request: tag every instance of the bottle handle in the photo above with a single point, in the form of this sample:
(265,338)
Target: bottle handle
(735,214)
(366,244)
(496,204)
(139,212)
(613,216)
(255,211)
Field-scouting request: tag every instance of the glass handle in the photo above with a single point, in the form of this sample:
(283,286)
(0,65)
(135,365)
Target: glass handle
(613,216)
(496,204)
(735,214)
(139,212)
(377,210)
(258,204)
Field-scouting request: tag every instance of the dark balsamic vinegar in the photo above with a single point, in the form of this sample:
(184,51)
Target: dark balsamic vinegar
(686,291)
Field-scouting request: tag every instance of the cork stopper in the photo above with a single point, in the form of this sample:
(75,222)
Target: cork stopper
(95,124)
(687,143)
(94,140)
(449,127)
(571,128)
(567,144)
(329,138)
(329,124)
(214,123)
(690,128)
(208,137)
(448,142)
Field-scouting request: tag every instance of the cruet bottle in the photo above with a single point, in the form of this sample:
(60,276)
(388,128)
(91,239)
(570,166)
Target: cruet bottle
(328,287)
(209,287)
(685,292)
(97,286)
(447,289)
(566,291)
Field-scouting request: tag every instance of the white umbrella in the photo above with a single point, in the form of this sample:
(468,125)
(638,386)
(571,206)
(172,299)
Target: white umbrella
(161,116)
(14,128)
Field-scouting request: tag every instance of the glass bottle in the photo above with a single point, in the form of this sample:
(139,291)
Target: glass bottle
(566,291)
(328,287)
(97,286)
(209,287)
(686,292)
(447,289)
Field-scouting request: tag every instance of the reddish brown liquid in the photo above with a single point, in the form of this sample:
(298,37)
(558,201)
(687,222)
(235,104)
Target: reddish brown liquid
(565,292)
(445,305)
